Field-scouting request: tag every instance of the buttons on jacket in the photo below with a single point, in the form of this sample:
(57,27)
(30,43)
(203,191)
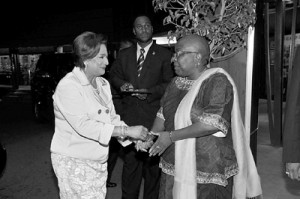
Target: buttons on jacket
(100,111)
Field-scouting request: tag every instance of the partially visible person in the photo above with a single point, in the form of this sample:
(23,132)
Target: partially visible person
(125,43)
(204,150)
(142,73)
(85,121)
(291,128)
(114,146)
(3,158)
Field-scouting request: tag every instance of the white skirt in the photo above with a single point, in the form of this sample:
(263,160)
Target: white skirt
(79,178)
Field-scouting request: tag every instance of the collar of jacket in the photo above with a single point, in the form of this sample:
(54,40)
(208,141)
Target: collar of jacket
(83,79)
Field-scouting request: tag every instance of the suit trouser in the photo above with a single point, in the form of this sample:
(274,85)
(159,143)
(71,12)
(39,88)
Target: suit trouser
(138,165)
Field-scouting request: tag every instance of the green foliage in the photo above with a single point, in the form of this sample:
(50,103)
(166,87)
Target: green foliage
(224,23)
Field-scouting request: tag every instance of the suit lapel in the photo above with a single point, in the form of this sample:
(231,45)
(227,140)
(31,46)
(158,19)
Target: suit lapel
(132,70)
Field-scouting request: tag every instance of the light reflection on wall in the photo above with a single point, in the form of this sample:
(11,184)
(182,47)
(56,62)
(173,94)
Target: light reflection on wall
(163,40)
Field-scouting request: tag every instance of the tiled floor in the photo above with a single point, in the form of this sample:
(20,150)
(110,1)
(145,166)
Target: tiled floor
(275,183)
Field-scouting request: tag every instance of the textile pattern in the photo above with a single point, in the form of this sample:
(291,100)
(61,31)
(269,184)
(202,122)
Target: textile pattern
(77,178)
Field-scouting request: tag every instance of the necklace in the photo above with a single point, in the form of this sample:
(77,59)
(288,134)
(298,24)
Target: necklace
(98,96)
(183,83)
(95,86)
(96,91)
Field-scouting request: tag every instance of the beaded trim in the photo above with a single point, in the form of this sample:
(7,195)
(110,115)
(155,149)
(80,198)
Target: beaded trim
(166,167)
(184,83)
(215,120)
(203,177)
(160,114)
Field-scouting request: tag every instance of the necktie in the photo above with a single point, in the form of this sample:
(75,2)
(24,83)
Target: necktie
(140,61)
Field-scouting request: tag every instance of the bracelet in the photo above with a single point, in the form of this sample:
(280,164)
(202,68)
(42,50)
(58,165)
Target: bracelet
(123,132)
(170,135)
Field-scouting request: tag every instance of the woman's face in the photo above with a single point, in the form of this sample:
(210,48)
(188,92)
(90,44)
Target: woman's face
(185,63)
(96,66)
(188,57)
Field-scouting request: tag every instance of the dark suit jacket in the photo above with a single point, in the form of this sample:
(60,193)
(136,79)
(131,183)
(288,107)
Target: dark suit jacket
(156,74)
(291,132)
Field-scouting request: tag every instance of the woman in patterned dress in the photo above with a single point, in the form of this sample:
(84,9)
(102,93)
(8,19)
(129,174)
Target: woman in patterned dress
(201,139)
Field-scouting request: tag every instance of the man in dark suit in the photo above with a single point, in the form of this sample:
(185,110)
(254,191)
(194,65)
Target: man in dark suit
(291,132)
(142,72)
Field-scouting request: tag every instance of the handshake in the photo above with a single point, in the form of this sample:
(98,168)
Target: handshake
(147,143)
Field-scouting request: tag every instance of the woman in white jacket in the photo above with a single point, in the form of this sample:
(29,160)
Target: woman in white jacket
(85,121)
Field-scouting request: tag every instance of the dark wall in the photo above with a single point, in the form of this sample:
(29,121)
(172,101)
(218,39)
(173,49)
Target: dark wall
(125,14)
(53,29)
(33,26)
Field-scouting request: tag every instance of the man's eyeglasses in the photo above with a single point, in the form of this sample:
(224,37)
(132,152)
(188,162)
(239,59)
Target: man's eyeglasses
(180,53)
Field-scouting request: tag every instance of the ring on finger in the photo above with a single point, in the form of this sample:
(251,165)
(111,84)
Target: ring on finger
(287,173)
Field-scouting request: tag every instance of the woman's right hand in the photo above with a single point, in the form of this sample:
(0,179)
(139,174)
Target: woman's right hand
(137,132)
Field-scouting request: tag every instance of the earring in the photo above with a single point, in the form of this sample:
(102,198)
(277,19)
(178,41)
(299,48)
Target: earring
(85,65)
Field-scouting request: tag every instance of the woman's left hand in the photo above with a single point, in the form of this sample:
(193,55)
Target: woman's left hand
(161,144)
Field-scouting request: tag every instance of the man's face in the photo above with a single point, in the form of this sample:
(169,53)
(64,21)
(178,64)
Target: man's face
(143,29)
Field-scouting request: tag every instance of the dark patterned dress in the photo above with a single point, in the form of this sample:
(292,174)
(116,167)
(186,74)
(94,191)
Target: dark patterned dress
(215,157)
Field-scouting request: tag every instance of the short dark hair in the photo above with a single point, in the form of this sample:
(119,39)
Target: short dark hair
(141,15)
(87,46)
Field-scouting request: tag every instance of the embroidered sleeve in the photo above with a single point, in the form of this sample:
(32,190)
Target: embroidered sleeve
(214,103)
(214,120)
